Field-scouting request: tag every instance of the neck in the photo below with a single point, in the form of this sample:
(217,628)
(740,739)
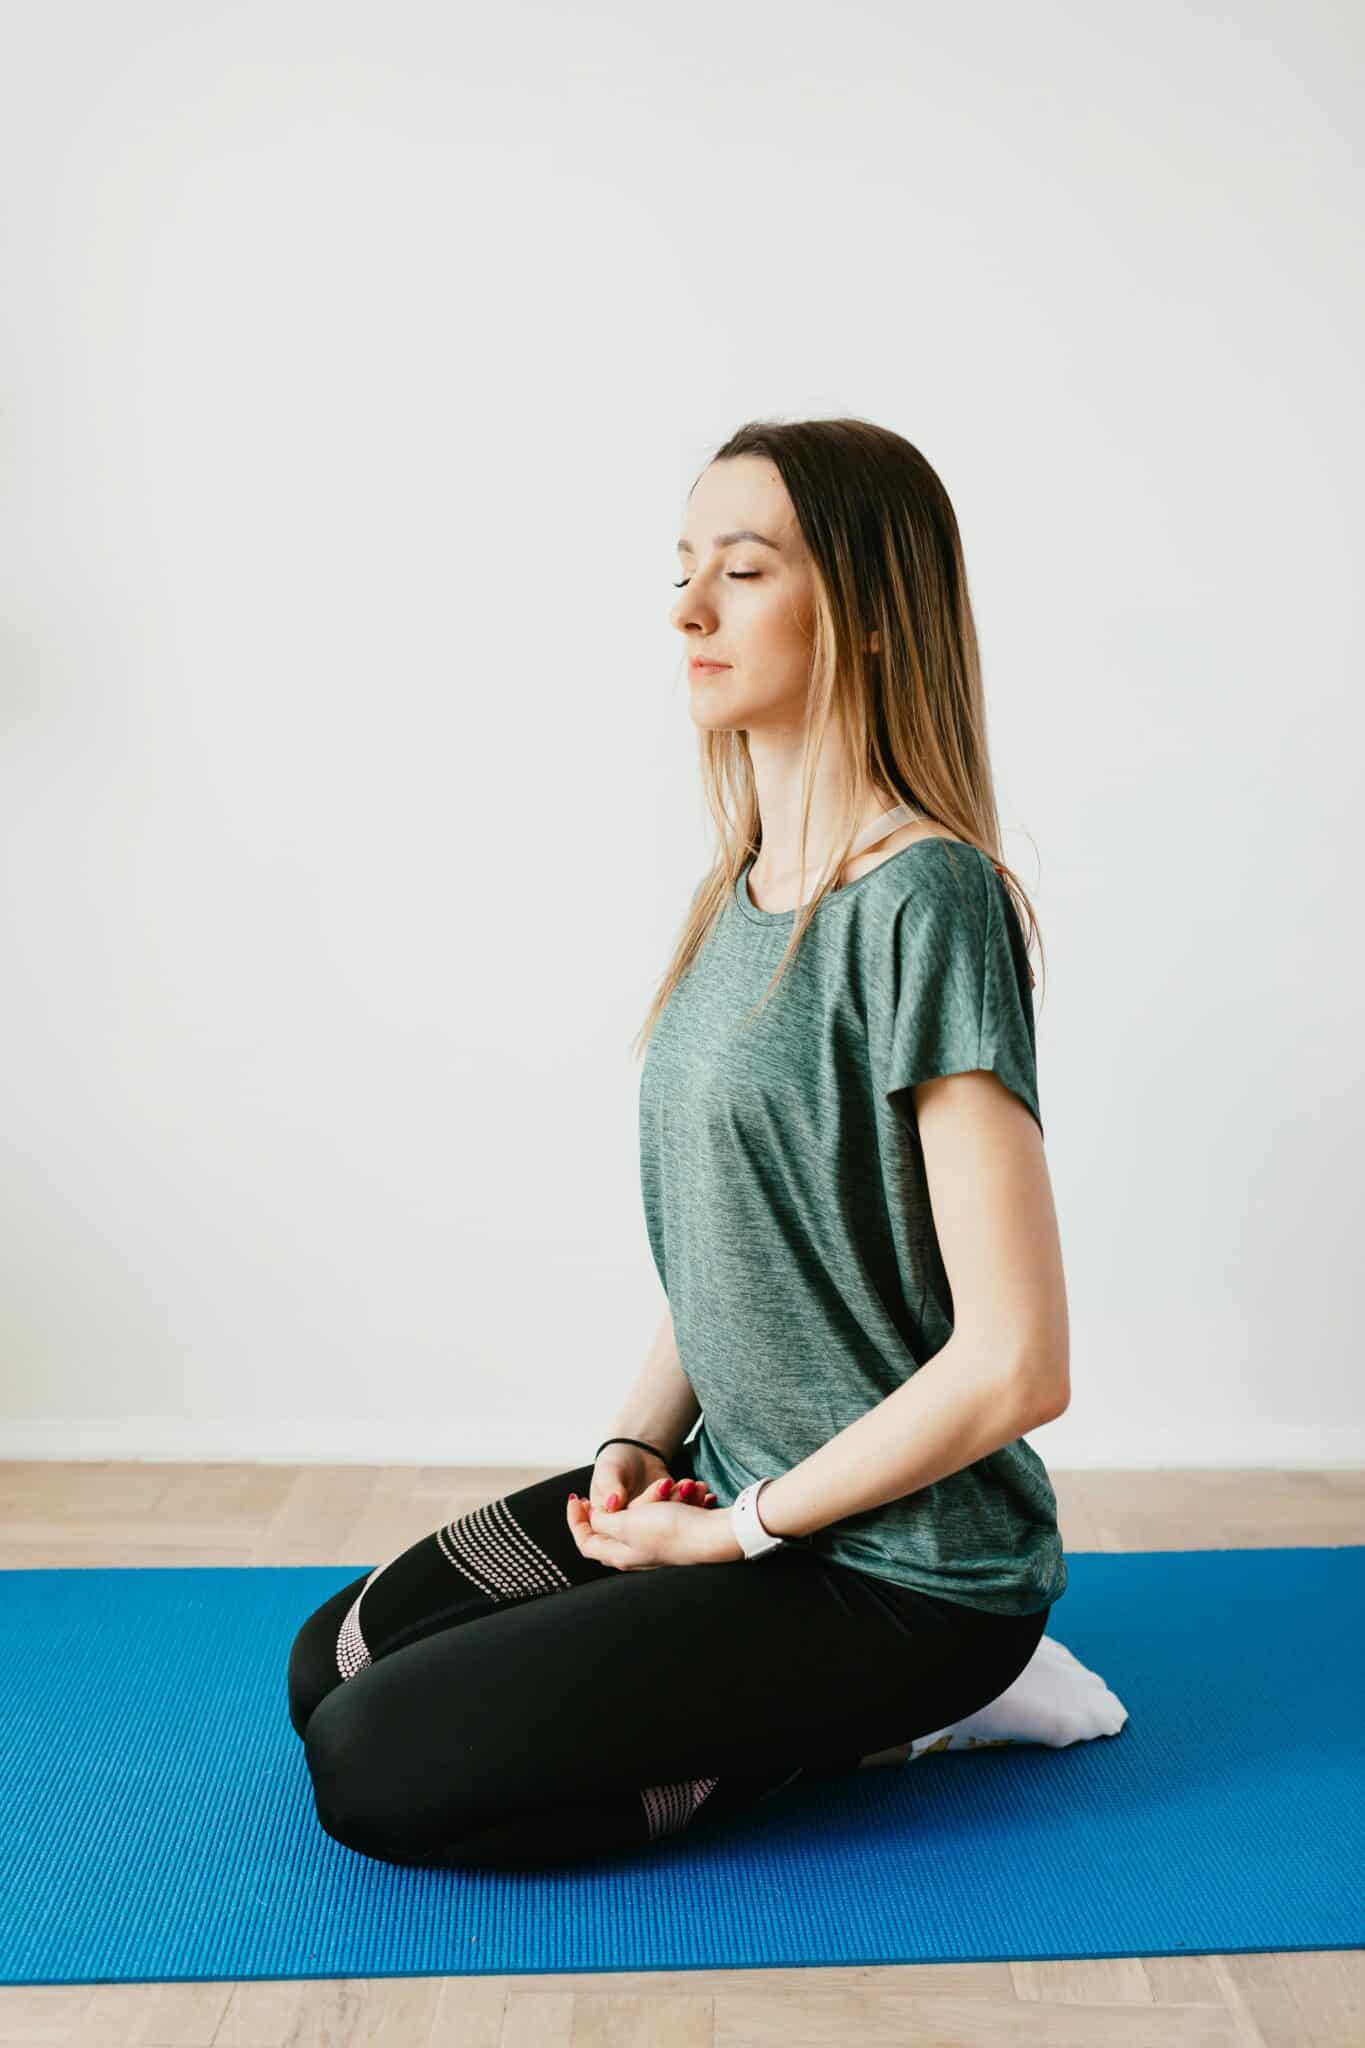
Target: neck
(778,760)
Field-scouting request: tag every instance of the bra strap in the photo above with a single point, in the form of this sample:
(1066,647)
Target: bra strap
(880,828)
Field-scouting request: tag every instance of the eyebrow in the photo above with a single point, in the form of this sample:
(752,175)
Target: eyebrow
(725,540)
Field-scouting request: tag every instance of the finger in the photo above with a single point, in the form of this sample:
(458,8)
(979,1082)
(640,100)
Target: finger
(597,1541)
(603,1521)
(598,1547)
(591,1541)
(692,1493)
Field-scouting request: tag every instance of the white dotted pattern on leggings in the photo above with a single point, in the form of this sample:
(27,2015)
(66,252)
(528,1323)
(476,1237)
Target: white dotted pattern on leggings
(491,1549)
(352,1653)
(668,1808)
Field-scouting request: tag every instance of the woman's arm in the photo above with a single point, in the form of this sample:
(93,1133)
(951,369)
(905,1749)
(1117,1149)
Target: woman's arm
(1006,1367)
(661,1407)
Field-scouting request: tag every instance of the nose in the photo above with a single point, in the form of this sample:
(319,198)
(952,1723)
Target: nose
(690,611)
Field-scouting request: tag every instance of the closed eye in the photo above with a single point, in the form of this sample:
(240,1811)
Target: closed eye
(740,576)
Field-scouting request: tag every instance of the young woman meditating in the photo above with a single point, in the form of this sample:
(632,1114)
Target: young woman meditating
(849,1208)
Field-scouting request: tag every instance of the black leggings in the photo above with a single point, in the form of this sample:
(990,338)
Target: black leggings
(453,1714)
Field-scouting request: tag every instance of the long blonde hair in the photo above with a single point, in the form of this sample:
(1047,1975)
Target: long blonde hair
(910,718)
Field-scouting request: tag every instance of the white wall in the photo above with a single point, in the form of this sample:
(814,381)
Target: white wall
(355,364)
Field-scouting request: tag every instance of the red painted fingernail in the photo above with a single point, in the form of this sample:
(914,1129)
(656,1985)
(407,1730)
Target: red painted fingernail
(665,1487)
(611,1501)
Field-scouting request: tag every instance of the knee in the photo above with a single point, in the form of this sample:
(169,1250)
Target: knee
(307,1678)
(336,1760)
(313,1668)
(366,1796)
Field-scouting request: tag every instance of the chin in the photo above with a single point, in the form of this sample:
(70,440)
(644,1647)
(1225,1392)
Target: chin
(714,709)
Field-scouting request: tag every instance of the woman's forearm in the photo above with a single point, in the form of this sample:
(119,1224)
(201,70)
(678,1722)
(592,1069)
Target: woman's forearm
(967,1401)
(661,1406)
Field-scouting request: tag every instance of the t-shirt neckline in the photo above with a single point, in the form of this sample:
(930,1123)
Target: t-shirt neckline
(751,910)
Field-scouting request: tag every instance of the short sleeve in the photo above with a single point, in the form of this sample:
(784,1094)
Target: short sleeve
(959,996)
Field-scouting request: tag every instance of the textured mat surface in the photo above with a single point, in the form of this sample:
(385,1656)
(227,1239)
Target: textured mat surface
(157,1822)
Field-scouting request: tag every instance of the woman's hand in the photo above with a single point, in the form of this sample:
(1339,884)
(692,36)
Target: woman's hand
(623,1472)
(651,1531)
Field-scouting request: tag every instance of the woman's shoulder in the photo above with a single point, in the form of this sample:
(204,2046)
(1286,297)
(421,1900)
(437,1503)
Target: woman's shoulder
(913,834)
(914,859)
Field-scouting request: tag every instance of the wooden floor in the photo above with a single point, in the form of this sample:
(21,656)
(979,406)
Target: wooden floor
(84,1514)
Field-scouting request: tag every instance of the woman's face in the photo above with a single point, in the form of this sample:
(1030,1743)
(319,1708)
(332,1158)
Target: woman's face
(745,603)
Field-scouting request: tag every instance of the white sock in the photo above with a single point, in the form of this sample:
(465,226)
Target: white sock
(1055,1700)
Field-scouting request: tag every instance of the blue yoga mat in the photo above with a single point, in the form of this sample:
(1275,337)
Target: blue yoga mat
(157,1820)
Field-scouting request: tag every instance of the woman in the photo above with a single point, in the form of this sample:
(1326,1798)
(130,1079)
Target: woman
(849,1208)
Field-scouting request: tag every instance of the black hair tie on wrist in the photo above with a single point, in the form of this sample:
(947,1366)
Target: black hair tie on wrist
(628,1440)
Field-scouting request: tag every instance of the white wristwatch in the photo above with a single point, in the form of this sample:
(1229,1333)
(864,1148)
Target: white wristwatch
(753,1539)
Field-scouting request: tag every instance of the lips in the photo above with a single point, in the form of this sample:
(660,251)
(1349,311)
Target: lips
(703,666)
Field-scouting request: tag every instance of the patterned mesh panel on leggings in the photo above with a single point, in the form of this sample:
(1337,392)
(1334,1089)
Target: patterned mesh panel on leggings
(480,1560)
(670,1808)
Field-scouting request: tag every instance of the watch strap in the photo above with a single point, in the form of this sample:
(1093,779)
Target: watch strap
(753,1539)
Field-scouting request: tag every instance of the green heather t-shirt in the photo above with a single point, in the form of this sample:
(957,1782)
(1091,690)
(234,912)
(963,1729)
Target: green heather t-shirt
(788,1211)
